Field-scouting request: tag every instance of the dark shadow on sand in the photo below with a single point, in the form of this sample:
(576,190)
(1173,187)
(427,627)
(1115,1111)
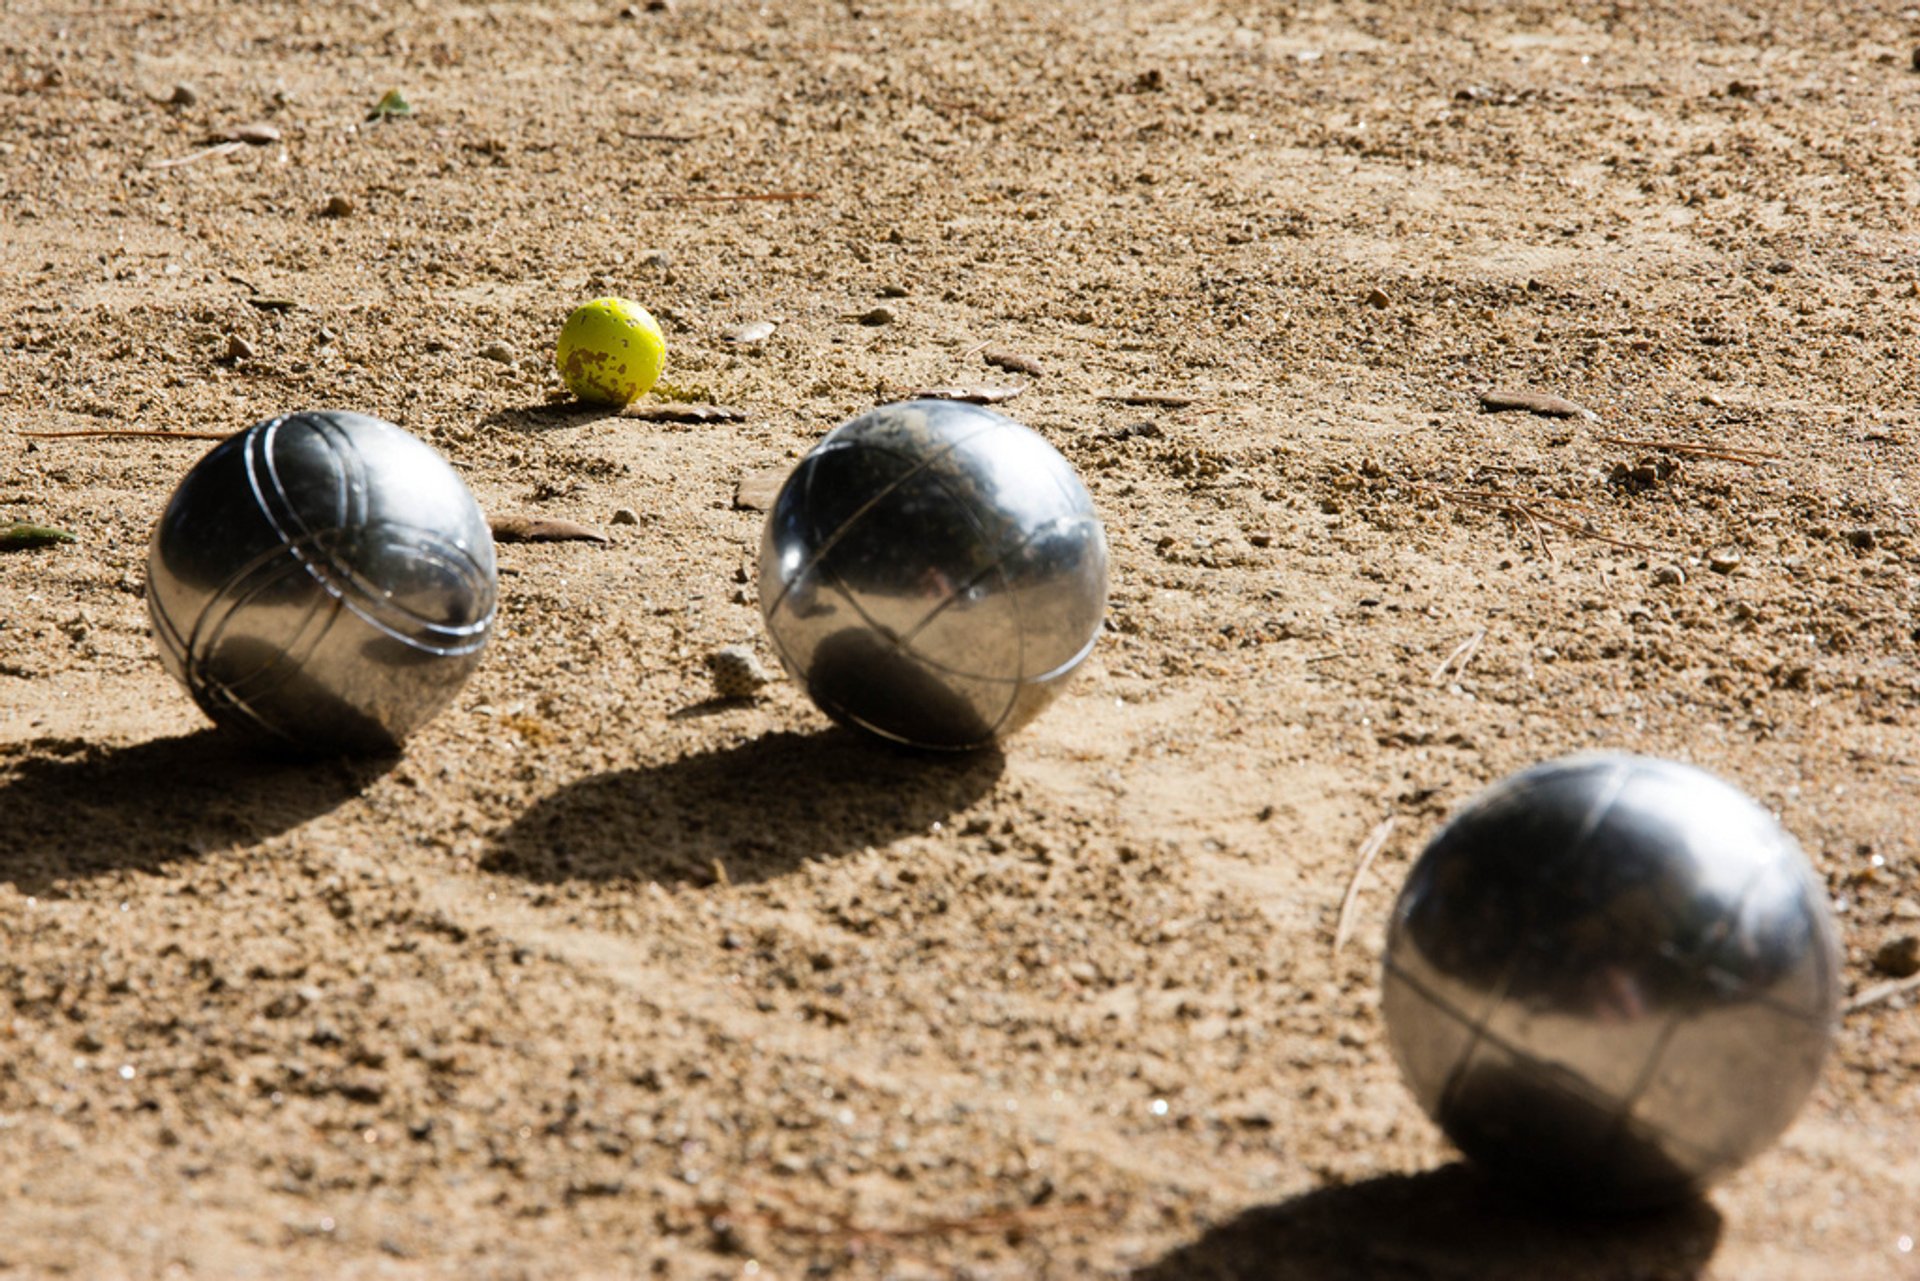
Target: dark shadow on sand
(83,809)
(1445,1223)
(548,416)
(759,810)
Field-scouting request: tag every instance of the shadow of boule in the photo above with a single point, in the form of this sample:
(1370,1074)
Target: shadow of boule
(79,809)
(757,810)
(1450,1222)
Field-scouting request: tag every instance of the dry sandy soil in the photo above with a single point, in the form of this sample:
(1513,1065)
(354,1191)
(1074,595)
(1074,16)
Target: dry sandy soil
(605,978)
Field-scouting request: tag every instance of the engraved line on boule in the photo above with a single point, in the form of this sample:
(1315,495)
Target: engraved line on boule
(811,467)
(816,563)
(237,591)
(229,599)
(1604,801)
(899,642)
(1691,967)
(235,594)
(999,567)
(340,580)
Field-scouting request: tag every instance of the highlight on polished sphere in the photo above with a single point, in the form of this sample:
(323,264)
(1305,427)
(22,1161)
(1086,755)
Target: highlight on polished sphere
(1611,980)
(323,581)
(933,572)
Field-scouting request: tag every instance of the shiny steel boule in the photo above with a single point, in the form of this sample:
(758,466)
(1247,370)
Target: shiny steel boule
(1611,980)
(933,572)
(322,580)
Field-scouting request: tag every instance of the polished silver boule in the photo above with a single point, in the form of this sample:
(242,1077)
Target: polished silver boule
(1611,980)
(933,572)
(322,580)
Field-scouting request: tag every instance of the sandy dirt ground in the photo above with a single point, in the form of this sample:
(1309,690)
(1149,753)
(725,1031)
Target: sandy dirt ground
(604,978)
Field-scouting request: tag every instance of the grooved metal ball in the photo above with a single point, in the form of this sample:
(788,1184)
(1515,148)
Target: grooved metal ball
(322,580)
(933,572)
(1611,980)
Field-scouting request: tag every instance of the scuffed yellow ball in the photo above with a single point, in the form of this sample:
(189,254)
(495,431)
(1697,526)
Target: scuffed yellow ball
(610,351)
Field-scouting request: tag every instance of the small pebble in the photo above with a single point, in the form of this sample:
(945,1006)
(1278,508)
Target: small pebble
(757,490)
(878,316)
(183,95)
(1377,297)
(498,351)
(238,349)
(751,332)
(626,516)
(1014,362)
(1899,957)
(338,207)
(1724,561)
(254,135)
(1500,401)
(1669,576)
(893,291)
(737,672)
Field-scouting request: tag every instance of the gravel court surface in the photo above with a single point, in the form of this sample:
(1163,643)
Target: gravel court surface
(604,977)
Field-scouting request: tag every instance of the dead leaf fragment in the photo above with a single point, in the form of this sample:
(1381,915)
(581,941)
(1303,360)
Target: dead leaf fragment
(1013,362)
(971,395)
(393,105)
(20,536)
(541,529)
(757,490)
(256,134)
(1543,403)
(694,413)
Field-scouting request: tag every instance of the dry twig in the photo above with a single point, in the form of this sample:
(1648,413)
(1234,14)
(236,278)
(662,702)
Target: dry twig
(743,196)
(840,1225)
(1523,507)
(1458,657)
(1694,449)
(1881,992)
(137,432)
(1369,850)
(218,149)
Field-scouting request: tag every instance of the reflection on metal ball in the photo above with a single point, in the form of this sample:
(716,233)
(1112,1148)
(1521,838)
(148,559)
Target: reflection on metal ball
(1611,980)
(933,572)
(322,580)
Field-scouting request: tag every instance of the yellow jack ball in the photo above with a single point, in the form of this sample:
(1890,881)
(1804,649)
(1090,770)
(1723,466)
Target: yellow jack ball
(610,351)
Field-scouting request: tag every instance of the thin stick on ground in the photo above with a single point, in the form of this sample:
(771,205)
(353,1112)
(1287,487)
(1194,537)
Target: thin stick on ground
(1539,535)
(217,149)
(1881,992)
(1522,507)
(744,196)
(1369,850)
(135,432)
(1458,657)
(1697,449)
(839,1225)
